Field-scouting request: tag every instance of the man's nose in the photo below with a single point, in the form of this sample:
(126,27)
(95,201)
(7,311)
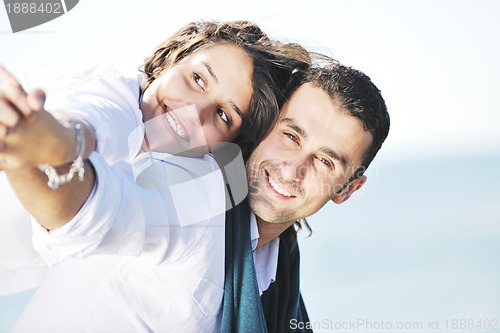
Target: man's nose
(294,168)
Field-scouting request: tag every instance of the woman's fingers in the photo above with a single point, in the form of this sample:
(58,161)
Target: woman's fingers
(13,92)
(36,100)
(8,115)
(4,130)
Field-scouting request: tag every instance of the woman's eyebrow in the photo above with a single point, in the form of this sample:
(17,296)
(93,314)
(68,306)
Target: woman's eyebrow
(236,109)
(216,79)
(211,72)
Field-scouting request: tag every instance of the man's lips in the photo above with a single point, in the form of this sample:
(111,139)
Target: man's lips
(277,187)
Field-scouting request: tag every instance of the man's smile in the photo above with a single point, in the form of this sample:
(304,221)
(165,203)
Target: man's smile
(278,188)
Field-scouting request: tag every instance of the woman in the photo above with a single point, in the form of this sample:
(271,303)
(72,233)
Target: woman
(158,271)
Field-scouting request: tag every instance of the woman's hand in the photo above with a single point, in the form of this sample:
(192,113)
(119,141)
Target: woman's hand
(13,94)
(29,135)
(37,140)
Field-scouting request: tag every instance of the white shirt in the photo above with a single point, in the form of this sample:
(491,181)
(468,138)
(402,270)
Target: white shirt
(120,222)
(21,267)
(101,95)
(265,257)
(146,267)
(108,100)
(142,292)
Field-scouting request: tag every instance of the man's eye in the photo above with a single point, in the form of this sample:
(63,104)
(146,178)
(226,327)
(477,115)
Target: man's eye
(223,116)
(325,162)
(199,81)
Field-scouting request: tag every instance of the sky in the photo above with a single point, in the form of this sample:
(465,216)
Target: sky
(419,241)
(436,62)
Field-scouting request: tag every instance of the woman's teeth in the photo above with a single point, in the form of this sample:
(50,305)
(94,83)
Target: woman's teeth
(175,126)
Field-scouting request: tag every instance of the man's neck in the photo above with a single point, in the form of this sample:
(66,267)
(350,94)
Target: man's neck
(269,231)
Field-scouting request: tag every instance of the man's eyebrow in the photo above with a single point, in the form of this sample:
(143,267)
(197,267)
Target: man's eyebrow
(211,72)
(330,152)
(335,156)
(293,125)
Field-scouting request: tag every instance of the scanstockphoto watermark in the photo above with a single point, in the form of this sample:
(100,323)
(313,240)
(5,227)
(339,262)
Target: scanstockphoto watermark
(356,324)
(438,325)
(26,14)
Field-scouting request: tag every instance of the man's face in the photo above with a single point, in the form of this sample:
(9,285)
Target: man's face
(306,160)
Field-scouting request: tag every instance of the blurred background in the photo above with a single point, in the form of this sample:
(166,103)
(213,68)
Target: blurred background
(417,249)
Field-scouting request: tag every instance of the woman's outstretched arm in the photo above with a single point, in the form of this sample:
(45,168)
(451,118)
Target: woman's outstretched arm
(27,146)
(30,136)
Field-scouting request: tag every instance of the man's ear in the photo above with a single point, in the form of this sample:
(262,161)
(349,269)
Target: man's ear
(353,186)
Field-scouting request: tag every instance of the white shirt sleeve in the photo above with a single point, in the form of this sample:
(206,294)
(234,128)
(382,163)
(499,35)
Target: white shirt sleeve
(103,97)
(153,216)
(112,220)
(21,267)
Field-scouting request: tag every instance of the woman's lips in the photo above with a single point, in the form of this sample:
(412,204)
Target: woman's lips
(175,123)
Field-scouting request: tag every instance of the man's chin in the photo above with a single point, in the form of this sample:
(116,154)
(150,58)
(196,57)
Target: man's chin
(269,213)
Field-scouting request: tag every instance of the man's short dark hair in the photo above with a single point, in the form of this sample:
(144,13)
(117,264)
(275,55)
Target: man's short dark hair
(357,93)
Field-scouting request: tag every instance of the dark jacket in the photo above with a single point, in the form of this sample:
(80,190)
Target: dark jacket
(242,309)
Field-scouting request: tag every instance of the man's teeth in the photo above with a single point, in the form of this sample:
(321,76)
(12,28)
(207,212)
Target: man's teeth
(175,126)
(279,189)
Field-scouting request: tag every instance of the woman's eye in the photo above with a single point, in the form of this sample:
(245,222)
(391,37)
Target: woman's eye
(223,116)
(291,137)
(199,81)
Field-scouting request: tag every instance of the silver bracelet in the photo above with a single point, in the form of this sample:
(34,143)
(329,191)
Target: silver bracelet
(56,180)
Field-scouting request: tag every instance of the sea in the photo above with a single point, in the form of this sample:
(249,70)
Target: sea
(417,249)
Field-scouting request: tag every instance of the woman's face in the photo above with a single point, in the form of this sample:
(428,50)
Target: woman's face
(199,101)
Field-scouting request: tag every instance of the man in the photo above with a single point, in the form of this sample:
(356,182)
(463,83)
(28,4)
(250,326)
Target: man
(322,143)
(328,133)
